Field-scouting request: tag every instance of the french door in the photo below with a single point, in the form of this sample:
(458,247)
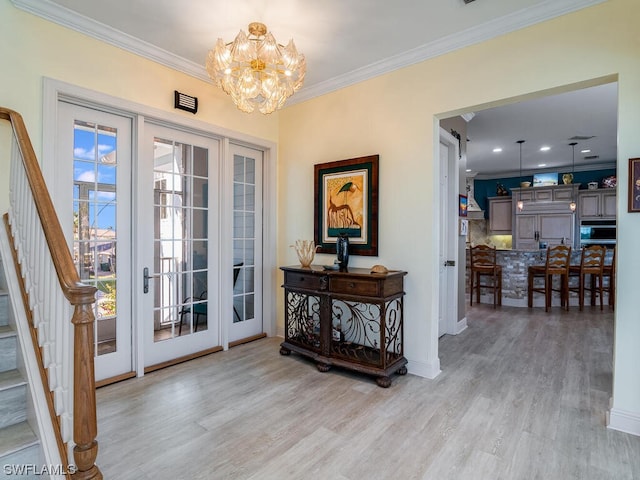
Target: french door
(178,198)
(94,156)
(146,232)
(246,321)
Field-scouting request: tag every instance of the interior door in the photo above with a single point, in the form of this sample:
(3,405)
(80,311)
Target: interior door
(178,248)
(449,241)
(444,237)
(92,193)
(246,321)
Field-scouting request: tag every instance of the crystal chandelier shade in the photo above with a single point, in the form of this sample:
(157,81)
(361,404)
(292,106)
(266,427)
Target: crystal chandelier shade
(255,70)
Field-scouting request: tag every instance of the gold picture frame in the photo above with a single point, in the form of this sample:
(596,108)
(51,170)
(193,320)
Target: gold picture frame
(346,202)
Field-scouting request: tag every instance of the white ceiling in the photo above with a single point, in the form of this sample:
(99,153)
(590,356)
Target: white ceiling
(552,121)
(344,41)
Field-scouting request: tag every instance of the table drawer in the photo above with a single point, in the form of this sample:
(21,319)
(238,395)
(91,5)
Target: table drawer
(305,280)
(353,286)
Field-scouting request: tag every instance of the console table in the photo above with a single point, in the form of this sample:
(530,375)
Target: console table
(350,319)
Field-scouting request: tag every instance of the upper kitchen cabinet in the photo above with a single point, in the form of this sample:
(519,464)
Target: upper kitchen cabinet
(500,215)
(597,204)
(545,218)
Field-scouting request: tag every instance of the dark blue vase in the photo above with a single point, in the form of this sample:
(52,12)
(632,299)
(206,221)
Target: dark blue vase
(342,251)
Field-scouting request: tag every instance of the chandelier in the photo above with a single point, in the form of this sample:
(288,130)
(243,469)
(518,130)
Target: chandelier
(257,71)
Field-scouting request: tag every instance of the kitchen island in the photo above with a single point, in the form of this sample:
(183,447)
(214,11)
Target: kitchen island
(515,267)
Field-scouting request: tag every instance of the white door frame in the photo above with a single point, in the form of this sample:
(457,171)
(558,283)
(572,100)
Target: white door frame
(119,362)
(55,90)
(449,232)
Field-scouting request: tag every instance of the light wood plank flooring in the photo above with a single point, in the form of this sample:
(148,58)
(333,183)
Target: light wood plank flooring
(522,395)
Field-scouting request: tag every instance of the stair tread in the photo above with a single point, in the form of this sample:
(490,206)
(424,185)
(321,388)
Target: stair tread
(11,378)
(16,437)
(6,331)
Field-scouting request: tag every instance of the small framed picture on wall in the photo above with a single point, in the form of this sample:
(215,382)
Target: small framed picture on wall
(463,227)
(462,205)
(634,185)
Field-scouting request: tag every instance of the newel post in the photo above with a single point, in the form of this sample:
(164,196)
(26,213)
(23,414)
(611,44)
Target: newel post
(85,424)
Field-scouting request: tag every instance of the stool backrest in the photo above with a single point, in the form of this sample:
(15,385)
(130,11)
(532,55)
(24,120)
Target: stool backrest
(592,259)
(558,258)
(482,255)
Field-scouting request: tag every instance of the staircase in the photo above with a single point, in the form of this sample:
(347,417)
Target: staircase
(19,445)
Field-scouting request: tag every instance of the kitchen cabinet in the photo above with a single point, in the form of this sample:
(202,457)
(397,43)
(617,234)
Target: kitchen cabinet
(555,193)
(551,228)
(597,204)
(545,217)
(500,216)
(350,319)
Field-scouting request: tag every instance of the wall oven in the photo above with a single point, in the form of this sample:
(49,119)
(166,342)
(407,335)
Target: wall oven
(598,232)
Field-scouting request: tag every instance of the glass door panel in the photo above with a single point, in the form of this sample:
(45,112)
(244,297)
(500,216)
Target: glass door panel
(176,213)
(180,239)
(247,243)
(95,156)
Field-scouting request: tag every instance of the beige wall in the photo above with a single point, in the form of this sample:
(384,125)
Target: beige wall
(32,48)
(381,116)
(376,117)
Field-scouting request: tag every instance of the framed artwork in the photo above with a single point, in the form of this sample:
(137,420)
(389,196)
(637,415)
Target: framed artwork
(634,185)
(463,229)
(545,179)
(462,205)
(346,201)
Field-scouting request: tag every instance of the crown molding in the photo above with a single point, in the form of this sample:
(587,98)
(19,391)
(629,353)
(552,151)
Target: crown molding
(605,165)
(67,18)
(499,26)
(477,34)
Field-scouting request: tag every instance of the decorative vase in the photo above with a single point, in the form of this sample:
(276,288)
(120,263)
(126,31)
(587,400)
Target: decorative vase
(306,251)
(342,251)
(567,178)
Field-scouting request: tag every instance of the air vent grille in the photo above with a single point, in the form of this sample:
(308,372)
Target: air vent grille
(581,137)
(591,157)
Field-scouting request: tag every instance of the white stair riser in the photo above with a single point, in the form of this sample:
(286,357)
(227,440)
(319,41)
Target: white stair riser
(8,353)
(13,403)
(4,309)
(30,455)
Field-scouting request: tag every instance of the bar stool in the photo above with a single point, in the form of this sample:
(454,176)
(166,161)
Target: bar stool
(609,273)
(591,263)
(557,263)
(483,264)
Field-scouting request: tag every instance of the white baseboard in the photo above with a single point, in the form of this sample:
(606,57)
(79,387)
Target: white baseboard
(623,421)
(424,369)
(461,326)
(538,300)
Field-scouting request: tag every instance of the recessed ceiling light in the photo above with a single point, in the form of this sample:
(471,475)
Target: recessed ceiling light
(545,149)
(585,151)
(468,170)
(497,150)
(542,164)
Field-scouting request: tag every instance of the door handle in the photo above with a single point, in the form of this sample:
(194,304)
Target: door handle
(145,279)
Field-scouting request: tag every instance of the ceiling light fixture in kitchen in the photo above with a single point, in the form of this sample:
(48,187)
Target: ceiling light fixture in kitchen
(572,205)
(520,203)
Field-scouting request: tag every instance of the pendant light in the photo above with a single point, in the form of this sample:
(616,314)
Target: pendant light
(520,203)
(572,205)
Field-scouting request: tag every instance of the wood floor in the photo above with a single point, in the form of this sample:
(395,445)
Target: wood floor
(522,395)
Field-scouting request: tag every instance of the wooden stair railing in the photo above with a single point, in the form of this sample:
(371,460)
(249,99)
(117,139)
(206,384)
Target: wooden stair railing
(53,295)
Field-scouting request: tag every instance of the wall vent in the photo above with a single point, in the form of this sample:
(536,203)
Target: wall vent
(581,137)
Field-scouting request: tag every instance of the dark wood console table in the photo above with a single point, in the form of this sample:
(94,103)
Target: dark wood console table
(348,319)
